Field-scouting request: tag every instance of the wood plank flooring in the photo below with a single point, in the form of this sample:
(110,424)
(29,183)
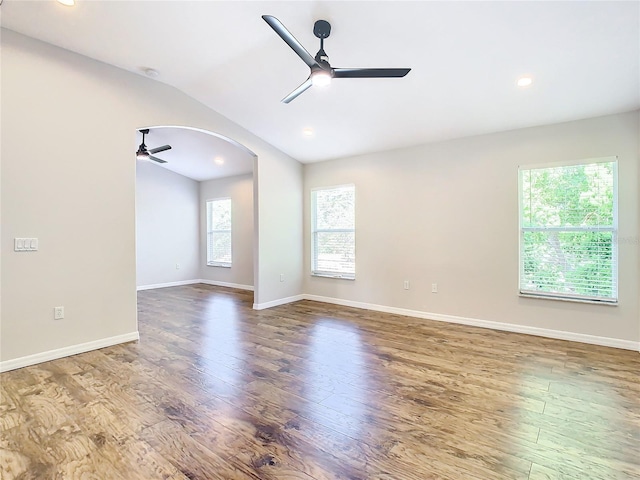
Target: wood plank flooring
(216,390)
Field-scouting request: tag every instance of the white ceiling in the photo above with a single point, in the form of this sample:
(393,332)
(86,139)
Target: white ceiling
(193,153)
(465,59)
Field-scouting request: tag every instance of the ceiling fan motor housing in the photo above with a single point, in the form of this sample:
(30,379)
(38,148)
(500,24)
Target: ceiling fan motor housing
(322,29)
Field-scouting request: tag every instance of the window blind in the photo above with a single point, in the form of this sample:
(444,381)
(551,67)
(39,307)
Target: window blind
(333,231)
(219,232)
(568,231)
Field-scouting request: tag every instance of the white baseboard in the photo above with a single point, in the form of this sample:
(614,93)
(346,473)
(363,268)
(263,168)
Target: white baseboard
(169,284)
(279,301)
(474,322)
(226,284)
(67,351)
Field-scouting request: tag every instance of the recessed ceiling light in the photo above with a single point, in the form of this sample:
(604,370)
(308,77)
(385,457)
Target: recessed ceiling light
(68,3)
(525,81)
(218,160)
(307,132)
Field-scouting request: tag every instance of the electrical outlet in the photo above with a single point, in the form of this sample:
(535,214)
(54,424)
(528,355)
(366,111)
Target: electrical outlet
(406,285)
(434,288)
(177,266)
(58,313)
(282,277)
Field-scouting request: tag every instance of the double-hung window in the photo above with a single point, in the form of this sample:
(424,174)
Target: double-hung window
(333,233)
(568,231)
(219,232)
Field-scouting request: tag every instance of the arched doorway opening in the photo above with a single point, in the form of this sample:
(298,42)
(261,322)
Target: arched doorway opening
(174,240)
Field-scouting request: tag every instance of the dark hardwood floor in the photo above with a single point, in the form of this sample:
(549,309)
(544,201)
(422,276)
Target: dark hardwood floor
(216,390)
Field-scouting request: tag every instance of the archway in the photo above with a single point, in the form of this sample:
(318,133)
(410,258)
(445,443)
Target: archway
(172,239)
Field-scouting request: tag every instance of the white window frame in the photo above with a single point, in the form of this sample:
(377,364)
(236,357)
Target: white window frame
(314,233)
(613,229)
(211,233)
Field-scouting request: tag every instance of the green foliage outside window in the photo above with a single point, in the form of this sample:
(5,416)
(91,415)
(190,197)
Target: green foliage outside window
(219,232)
(333,231)
(568,230)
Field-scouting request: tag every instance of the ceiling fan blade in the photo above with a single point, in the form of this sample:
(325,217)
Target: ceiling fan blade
(290,40)
(160,149)
(370,72)
(156,159)
(297,91)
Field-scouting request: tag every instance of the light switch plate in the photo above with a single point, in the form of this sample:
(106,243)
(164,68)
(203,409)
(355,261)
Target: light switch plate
(25,244)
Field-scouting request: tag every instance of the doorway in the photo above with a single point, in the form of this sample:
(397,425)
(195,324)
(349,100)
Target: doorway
(173,233)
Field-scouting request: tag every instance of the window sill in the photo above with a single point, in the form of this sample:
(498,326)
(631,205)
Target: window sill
(223,265)
(334,275)
(566,299)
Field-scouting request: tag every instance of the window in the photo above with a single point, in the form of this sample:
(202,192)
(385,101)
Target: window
(568,231)
(219,232)
(333,234)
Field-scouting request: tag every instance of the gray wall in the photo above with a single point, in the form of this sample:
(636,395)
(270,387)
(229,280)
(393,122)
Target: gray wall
(240,190)
(280,250)
(68,178)
(447,213)
(167,226)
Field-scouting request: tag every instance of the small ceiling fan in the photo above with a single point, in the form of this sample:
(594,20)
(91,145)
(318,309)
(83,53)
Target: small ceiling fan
(321,71)
(147,154)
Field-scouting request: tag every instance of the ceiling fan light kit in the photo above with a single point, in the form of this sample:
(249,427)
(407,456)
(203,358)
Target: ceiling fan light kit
(147,154)
(320,78)
(321,70)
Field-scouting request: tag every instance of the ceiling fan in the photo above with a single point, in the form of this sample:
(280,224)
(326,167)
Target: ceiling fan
(321,71)
(147,154)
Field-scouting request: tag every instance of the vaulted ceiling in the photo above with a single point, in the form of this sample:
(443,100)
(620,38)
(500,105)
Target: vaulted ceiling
(583,57)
